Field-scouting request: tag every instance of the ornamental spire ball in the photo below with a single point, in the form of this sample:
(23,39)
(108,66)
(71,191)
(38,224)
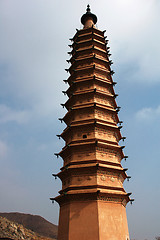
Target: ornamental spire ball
(88,19)
(88,8)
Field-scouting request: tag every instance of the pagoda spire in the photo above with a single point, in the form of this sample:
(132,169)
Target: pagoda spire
(88,19)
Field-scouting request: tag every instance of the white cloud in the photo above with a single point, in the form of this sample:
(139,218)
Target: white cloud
(148,114)
(9,115)
(31,55)
(34,48)
(132,27)
(36,113)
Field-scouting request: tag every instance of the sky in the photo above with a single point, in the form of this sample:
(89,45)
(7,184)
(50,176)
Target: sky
(34,38)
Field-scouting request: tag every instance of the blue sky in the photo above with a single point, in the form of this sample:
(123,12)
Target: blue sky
(33,45)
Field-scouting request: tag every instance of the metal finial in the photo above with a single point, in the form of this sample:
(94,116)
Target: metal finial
(87,15)
(88,8)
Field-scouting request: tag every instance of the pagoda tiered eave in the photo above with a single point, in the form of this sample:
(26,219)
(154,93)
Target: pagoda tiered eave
(94,161)
(84,32)
(89,166)
(97,60)
(93,122)
(93,48)
(72,80)
(94,143)
(92,195)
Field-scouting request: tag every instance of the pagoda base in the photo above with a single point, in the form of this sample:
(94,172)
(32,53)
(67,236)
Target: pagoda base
(93,220)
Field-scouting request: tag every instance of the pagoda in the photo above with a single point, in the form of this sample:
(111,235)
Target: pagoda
(92,200)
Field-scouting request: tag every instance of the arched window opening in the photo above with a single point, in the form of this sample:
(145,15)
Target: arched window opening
(84,136)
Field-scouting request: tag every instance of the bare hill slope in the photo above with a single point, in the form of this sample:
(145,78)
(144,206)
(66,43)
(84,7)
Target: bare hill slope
(14,231)
(35,223)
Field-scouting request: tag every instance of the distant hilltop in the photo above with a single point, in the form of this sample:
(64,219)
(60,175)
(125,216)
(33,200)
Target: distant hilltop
(24,226)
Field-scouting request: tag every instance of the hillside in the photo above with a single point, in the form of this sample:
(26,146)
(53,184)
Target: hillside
(34,223)
(14,231)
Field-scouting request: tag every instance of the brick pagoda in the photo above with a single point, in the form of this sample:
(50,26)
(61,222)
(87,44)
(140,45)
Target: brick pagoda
(92,200)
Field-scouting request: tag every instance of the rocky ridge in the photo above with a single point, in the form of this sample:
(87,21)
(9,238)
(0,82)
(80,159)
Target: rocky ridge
(35,223)
(14,231)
